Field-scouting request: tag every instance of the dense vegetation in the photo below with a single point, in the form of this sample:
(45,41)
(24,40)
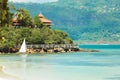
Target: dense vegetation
(85,20)
(32,30)
(11,37)
(5,16)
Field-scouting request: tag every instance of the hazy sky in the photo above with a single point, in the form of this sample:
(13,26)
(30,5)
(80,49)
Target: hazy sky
(37,1)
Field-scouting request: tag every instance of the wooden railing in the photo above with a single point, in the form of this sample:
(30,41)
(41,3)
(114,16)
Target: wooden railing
(52,46)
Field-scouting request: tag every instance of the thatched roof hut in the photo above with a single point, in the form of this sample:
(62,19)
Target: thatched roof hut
(44,20)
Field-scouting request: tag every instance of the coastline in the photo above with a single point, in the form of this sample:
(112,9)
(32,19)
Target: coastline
(52,51)
(58,49)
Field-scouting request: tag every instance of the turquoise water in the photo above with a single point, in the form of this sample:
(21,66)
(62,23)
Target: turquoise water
(103,65)
(105,46)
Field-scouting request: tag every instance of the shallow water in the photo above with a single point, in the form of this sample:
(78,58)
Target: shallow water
(103,65)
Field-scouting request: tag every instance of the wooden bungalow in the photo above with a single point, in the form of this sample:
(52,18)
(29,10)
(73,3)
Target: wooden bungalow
(15,22)
(44,20)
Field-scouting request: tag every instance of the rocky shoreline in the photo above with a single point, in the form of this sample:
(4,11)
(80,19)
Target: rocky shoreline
(50,51)
(58,50)
(47,48)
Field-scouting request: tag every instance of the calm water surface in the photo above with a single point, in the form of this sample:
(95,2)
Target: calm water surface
(103,65)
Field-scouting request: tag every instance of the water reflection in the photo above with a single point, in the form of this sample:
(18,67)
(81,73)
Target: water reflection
(23,63)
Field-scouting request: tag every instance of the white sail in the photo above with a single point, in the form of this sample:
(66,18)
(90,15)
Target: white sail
(23,47)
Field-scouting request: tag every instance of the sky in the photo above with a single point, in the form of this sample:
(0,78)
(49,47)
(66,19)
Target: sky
(35,1)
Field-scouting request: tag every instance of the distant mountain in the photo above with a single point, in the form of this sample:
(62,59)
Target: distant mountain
(85,20)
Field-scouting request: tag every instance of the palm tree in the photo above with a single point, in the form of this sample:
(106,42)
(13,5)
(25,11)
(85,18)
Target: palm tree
(19,14)
(23,17)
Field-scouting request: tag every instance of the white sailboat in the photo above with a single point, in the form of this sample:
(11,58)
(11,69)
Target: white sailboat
(23,49)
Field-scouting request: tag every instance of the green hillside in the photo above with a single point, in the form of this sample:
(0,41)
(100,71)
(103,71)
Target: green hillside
(85,20)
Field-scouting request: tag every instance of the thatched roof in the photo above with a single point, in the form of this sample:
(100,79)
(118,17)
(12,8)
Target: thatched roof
(44,20)
(40,15)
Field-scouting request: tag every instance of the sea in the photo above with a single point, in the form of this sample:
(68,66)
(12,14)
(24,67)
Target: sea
(102,65)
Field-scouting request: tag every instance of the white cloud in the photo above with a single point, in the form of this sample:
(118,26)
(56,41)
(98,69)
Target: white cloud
(34,1)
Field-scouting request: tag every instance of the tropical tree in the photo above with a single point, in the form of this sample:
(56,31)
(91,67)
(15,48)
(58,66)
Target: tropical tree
(5,16)
(24,17)
(62,37)
(8,39)
(37,22)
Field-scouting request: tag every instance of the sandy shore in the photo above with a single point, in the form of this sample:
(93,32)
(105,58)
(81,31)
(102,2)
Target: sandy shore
(5,76)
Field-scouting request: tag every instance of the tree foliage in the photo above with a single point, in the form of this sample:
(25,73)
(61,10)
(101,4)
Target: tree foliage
(24,17)
(45,35)
(5,16)
(37,22)
(11,37)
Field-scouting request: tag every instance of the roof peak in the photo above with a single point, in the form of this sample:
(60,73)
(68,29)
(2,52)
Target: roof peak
(40,15)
